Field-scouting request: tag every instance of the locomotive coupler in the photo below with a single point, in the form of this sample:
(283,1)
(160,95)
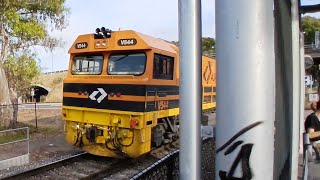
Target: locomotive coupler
(92,133)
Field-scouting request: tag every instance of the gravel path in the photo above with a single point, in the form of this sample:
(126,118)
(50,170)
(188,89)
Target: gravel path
(43,150)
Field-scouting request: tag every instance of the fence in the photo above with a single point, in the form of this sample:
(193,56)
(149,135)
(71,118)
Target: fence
(53,72)
(168,167)
(15,110)
(14,147)
(31,114)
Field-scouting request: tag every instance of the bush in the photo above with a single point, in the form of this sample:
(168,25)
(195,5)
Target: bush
(43,98)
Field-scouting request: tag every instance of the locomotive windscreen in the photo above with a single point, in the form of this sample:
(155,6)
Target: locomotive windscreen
(127,64)
(87,64)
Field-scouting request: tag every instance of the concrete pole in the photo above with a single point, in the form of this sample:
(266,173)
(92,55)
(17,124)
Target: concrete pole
(296,88)
(190,88)
(302,91)
(245,89)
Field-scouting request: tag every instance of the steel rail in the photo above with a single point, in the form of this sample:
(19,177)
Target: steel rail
(46,167)
(113,168)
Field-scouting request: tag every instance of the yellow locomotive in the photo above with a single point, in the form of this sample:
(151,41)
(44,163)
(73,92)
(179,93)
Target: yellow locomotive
(121,95)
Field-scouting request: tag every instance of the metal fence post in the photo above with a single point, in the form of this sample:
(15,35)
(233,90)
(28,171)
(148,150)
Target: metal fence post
(28,139)
(190,88)
(35,112)
(307,150)
(245,89)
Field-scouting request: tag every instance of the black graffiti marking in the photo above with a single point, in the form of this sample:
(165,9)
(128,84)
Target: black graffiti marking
(233,147)
(244,157)
(244,130)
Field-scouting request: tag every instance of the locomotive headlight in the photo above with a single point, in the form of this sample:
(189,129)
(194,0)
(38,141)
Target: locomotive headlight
(104,43)
(98,44)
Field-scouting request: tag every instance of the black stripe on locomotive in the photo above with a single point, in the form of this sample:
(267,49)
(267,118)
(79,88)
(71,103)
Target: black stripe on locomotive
(124,89)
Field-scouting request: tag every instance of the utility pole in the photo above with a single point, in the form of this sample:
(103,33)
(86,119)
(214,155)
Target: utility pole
(190,88)
(52,60)
(245,89)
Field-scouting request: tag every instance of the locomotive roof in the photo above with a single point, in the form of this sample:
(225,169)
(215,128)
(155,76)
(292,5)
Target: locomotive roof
(143,41)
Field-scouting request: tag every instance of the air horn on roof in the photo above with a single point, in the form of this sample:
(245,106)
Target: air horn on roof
(102,33)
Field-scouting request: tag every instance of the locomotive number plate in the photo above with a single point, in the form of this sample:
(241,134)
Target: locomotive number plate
(82,45)
(162,105)
(127,42)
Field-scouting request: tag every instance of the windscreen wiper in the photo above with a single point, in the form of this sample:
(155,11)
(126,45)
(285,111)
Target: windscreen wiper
(121,58)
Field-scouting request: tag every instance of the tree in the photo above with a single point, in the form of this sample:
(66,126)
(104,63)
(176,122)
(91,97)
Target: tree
(20,71)
(24,24)
(309,26)
(208,45)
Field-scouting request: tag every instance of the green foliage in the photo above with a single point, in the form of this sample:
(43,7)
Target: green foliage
(208,45)
(310,25)
(43,98)
(20,72)
(24,23)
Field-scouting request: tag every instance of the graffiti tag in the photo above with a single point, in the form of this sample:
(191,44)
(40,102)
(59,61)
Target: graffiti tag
(243,157)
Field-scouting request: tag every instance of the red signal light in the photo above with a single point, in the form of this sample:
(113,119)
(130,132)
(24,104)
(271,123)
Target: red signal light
(118,94)
(134,122)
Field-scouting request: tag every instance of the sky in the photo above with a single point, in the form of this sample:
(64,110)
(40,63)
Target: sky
(158,18)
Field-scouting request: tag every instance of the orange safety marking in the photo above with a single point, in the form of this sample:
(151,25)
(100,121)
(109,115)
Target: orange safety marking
(74,95)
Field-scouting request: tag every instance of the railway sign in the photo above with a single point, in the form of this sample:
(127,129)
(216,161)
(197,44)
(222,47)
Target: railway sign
(101,97)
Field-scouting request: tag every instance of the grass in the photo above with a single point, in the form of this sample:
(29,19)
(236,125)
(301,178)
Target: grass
(49,123)
(17,135)
(10,137)
(40,130)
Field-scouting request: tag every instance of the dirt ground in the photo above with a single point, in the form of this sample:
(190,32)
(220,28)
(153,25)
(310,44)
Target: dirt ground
(47,141)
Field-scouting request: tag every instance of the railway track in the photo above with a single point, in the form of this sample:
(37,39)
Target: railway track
(86,166)
(80,166)
(47,167)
